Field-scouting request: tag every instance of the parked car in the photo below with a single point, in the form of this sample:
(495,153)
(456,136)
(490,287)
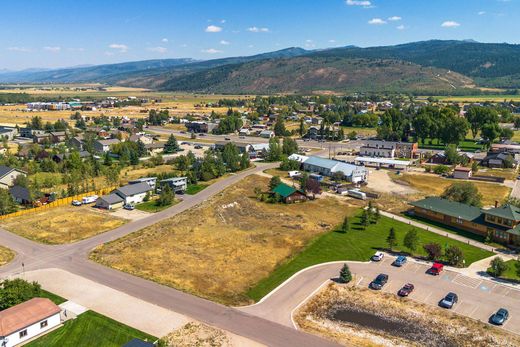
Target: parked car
(436,269)
(400,261)
(227,139)
(198,147)
(449,300)
(499,317)
(242,137)
(185,143)
(76,203)
(129,207)
(379,282)
(378,256)
(406,290)
(202,134)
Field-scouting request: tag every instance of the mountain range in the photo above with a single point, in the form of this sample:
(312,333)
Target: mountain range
(425,66)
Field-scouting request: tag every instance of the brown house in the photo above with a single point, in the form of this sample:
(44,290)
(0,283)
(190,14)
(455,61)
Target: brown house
(289,194)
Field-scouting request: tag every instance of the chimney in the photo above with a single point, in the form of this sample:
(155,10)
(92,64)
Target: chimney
(496,203)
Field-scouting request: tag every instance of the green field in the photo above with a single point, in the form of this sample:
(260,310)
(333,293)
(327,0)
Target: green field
(468,145)
(195,188)
(53,297)
(356,244)
(91,329)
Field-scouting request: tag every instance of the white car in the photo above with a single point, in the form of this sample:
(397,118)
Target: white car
(76,203)
(378,256)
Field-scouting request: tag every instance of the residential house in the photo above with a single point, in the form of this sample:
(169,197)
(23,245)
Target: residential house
(462,172)
(21,195)
(28,320)
(154,148)
(267,134)
(327,167)
(103,146)
(243,147)
(151,181)
(58,158)
(147,140)
(110,202)
(8,176)
(58,136)
(133,193)
(8,133)
(244,132)
(177,184)
(200,127)
(258,150)
(30,132)
(289,194)
(313,133)
(500,160)
(298,157)
(42,138)
(77,142)
(502,224)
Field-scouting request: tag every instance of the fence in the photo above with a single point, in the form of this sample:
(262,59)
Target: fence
(56,203)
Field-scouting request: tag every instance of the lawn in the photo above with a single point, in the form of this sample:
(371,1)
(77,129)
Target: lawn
(91,329)
(510,274)
(63,224)
(430,184)
(53,297)
(151,206)
(467,145)
(6,255)
(223,247)
(195,188)
(356,244)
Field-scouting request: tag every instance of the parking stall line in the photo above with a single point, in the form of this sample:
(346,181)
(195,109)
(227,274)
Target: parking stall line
(459,305)
(359,282)
(473,311)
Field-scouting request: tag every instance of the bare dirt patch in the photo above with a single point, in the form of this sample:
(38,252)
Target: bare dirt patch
(224,246)
(62,224)
(6,255)
(318,316)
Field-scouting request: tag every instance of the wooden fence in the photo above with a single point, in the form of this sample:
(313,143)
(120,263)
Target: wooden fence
(58,202)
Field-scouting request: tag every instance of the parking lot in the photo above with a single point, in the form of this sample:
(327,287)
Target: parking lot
(478,298)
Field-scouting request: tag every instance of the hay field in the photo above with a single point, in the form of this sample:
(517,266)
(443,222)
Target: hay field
(221,248)
(429,184)
(61,225)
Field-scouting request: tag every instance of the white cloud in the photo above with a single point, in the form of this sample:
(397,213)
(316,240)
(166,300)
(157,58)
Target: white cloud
(52,48)
(332,41)
(258,30)
(309,44)
(119,46)
(211,51)
(213,29)
(222,21)
(481,13)
(400,27)
(158,49)
(250,46)
(224,42)
(450,24)
(376,21)
(18,49)
(364,3)
(394,18)
(164,40)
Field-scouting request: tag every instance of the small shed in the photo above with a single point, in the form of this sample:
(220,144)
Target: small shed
(289,194)
(461,172)
(110,202)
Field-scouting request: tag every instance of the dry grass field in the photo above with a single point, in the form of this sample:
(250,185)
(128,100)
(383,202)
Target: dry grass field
(315,317)
(61,225)
(429,184)
(224,246)
(6,255)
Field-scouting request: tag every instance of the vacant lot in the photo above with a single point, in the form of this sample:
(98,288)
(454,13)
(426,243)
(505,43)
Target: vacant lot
(6,255)
(430,184)
(62,224)
(431,326)
(91,329)
(226,245)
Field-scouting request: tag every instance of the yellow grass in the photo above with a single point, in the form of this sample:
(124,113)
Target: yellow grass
(62,224)
(221,248)
(131,173)
(430,184)
(6,255)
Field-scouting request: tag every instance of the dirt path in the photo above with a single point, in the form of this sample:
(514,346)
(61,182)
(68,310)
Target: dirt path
(379,181)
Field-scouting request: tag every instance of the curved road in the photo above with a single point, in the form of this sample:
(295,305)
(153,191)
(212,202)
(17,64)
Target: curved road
(74,258)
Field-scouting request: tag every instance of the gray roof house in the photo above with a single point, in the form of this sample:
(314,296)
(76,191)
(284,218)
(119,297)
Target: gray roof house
(103,146)
(133,193)
(110,201)
(8,175)
(20,194)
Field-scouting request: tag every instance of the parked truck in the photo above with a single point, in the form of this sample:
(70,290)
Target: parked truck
(89,199)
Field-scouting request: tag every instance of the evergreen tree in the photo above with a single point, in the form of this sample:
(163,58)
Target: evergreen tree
(411,240)
(275,181)
(345,275)
(171,146)
(345,226)
(392,238)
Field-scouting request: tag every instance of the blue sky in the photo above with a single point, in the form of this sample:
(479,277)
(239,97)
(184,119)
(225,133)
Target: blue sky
(57,33)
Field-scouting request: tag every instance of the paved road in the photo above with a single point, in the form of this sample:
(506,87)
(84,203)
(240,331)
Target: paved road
(73,258)
(478,298)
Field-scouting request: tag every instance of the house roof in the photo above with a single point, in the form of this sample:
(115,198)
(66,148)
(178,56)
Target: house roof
(25,314)
(505,211)
(449,208)
(133,189)
(462,168)
(108,142)
(321,162)
(19,192)
(112,199)
(4,170)
(284,190)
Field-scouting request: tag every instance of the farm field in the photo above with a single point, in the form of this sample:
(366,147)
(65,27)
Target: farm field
(6,255)
(91,329)
(63,224)
(479,98)
(429,184)
(220,249)
(357,244)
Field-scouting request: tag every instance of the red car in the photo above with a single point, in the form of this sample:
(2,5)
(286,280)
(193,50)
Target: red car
(436,269)
(406,290)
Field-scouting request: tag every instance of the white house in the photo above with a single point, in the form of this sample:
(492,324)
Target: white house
(266,134)
(133,193)
(8,176)
(177,184)
(103,146)
(151,181)
(27,320)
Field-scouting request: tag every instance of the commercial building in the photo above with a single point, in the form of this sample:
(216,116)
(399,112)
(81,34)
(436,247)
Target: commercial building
(327,167)
(388,149)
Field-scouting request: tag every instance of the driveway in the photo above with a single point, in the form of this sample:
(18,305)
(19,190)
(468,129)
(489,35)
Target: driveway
(478,298)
